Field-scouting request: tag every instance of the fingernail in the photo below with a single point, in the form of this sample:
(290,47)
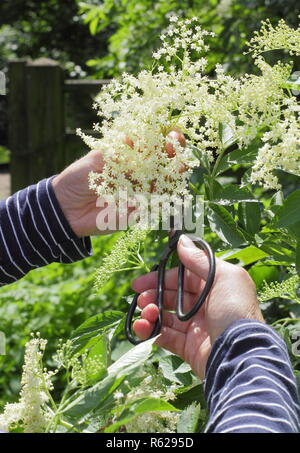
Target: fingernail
(186,242)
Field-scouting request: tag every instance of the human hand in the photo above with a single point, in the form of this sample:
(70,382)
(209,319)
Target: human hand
(232,297)
(76,200)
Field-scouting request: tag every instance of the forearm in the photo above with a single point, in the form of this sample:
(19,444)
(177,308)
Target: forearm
(250,386)
(34,233)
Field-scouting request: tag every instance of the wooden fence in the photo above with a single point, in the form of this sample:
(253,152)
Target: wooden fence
(44,110)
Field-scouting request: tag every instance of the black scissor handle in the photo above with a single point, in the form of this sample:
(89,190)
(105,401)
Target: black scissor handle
(130,314)
(161,268)
(209,282)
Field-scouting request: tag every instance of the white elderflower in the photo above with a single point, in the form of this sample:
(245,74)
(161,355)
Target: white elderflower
(31,412)
(153,386)
(127,246)
(272,38)
(281,149)
(139,112)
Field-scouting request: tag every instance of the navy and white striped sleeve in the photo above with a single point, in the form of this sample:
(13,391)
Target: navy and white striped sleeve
(249,384)
(34,232)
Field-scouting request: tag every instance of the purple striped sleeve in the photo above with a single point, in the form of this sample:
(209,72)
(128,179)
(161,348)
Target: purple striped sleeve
(250,385)
(34,232)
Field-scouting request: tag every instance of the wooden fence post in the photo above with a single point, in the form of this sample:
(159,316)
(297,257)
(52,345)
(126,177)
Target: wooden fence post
(36,121)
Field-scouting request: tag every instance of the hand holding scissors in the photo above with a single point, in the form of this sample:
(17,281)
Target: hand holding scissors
(161,269)
(231,298)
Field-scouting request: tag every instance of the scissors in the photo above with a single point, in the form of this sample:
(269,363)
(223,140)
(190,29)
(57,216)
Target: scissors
(161,268)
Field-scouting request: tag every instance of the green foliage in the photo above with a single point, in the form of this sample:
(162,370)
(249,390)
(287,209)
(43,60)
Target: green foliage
(4,155)
(50,29)
(135,25)
(103,382)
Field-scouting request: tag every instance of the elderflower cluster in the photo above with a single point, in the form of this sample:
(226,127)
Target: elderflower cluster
(287,289)
(274,38)
(127,246)
(31,413)
(138,112)
(153,386)
(281,149)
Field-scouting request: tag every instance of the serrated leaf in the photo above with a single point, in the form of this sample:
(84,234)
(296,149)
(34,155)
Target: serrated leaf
(88,333)
(133,357)
(169,366)
(247,255)
(93,397)
(222,223)
(250,216)
(96,360)
(289,212)
(189,419)
(190,395)
(239,156)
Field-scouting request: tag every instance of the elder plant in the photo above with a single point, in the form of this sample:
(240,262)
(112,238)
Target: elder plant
(213,112)
(251,121)
(247,125)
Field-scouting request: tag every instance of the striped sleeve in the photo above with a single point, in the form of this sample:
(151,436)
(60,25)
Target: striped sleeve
(249,382)
(34,232)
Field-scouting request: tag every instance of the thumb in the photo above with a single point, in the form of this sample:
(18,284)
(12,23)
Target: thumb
(192,257)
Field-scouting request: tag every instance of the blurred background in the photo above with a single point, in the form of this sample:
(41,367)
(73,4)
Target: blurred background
(57,54)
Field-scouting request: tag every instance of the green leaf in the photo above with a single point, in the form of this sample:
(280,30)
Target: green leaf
(231,194)
(289,212)
(222,223)
(298,258)
(279,251)
(96,361)
(295,229)
(247,255)
(93,397)
(134,357)
(239,156)
(175,370)
(261,274)
(185,397)
(139,407)
(88,333)
(226,135)
(250,216)
(94,25)
(293,83)
(189,419)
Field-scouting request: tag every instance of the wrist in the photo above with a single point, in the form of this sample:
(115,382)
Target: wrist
(63,198)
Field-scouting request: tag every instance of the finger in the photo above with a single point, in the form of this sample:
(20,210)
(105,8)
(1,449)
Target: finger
(143,328)
(170,339)
(193,258)
(150,297)
(176,134)
(149,281)
(151,313)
